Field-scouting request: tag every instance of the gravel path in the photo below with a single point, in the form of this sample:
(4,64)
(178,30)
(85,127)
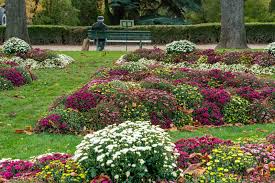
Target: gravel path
(130,47)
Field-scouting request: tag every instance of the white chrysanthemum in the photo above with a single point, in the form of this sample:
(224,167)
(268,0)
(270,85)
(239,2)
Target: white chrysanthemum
(182,46)
(128,147)
(15,45)
(271,48)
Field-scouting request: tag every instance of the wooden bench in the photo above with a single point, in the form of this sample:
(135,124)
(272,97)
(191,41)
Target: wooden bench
(122,36)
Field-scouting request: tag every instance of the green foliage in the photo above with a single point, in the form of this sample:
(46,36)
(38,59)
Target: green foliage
(25,73)
(258,11)
(75,120)
(209,12)
(5,84)
(272,6)
(237,111)
(255,11)
(157,85)
(57,12)
(135,112)
(181,119)
(88,11)
(188,96)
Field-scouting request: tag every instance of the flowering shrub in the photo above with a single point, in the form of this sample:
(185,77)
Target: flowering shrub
(271,138)
(271,48)
(151,54)
(82,101)
(203,145)
(45,159)
(131,151)
(134,67)
(15,45)
(218,96)
(103,115)
(237,111)
(56,171)
(264,153)
(15,168)
(261,112)
(157,100)
(37,54)
(226,163)
(209,114)
(182,46)
(156,83)
(249,93)
(52,123)
(52,61)
(235,61)
(13,75)
(265,60)
(187,96)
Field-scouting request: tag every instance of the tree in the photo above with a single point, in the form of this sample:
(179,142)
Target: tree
(272,6)
(57,12)
(17,20)
(33,7)
(233,33)
(88,11)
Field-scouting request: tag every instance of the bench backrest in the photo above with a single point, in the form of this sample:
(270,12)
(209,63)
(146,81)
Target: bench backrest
(120,35)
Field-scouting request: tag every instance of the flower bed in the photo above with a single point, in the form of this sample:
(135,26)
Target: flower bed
(139,152)
(12,75)
(20,52)
(167,96)
(255,62)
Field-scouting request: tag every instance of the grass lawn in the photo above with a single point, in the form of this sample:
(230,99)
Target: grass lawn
(24,106)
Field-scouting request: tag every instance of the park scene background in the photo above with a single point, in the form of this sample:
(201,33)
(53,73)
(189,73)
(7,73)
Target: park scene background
(197,104)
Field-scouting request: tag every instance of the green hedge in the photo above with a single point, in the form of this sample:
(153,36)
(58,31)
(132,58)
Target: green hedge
(201,33)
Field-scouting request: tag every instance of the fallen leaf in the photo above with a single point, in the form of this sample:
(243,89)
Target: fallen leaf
(19,131)
(188,128)
(261,130)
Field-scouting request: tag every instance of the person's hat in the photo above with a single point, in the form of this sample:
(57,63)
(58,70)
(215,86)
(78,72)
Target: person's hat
(100,18)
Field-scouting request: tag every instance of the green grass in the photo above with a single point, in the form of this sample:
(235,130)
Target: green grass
(24,106)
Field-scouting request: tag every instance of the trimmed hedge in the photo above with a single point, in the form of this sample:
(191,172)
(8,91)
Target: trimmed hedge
(161,34)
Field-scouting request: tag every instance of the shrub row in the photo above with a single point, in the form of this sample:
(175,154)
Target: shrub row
(202,33)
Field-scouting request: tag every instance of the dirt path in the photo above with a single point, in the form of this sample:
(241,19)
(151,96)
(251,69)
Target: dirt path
(130,47)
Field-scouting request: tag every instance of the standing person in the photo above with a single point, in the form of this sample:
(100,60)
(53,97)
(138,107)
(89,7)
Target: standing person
(100,27)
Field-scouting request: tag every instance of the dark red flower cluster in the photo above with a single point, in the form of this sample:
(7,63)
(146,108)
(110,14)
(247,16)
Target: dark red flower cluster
(209,114)
(212,56)
(82,101)
(13,75)
(118,72)
(154,54)
(161,120)
(36,54)
(203,145)
(218,96)
(16,168)
(50,123)
(249,93)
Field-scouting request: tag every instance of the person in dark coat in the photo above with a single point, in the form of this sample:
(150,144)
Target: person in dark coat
(101,27)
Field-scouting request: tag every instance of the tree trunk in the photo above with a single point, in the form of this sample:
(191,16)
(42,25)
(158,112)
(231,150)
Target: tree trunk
(233,34)
(17,20)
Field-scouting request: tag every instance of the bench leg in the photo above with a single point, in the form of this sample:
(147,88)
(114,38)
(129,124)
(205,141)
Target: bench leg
(140,45)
